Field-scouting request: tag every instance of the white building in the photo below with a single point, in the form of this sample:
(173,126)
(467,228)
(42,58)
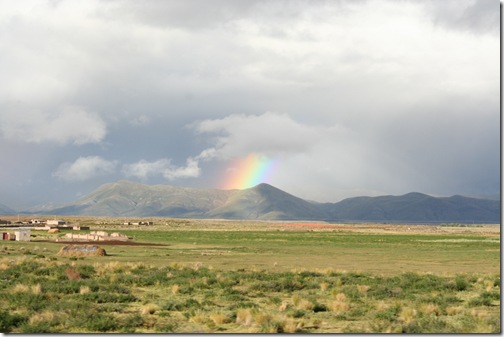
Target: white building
(55,222)
(22,235)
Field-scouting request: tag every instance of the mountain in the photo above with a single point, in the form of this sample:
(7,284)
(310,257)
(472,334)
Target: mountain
(130,199)
(265,202)
(415,207)
(5,210)
(126,198)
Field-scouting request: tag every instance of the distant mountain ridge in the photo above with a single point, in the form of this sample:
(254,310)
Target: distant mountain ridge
(265,202)
(5,210)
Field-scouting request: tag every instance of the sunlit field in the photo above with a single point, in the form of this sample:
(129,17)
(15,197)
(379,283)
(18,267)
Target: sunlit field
(245,276)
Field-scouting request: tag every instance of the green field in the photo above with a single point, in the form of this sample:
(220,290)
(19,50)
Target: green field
(212,276)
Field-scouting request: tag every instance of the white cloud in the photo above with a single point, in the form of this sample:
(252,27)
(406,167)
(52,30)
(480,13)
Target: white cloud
(144,169)
(270,134)
(69,125)
(85,168)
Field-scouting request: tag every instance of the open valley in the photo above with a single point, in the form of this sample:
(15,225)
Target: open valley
(185,275)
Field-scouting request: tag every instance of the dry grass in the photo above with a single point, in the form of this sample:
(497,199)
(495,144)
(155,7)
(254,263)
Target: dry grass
(42,317)
(363,289)
(452,311)
(36,289)
(407,315)
(261,318)
(284,306)
(244,317)
(84,290)
(382,305)
(4,265)
(305,304)
(295,299)
(291,326)
(20,288)
(340,297)
(220,318)
(489,285)
(338,306)
(199,317)
(149,309)
(480,314)
(430,309)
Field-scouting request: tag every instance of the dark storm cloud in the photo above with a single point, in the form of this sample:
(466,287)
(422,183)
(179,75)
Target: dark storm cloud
(474,16)
(360,97)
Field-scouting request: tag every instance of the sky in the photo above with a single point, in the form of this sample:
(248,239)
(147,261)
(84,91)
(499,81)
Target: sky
(322,99)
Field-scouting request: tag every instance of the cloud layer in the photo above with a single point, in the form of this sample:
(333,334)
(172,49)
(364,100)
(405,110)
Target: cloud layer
(348,97)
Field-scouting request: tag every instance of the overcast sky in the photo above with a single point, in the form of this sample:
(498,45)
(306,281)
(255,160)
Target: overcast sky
(346,97)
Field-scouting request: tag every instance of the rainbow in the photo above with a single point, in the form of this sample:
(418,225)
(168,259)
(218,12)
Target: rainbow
(248,172)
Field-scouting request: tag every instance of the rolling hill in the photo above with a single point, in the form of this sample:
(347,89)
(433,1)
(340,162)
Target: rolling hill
(130,199)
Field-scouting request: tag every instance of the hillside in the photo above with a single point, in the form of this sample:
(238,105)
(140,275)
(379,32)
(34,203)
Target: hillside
(265,202)
(125,198)
(130,199)
(415,207)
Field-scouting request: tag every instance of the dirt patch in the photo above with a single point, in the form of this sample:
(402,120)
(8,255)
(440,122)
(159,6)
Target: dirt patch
(82,250)
(311,225)
(110,243)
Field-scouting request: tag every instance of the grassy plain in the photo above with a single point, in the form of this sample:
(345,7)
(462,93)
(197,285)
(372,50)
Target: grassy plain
(243,276)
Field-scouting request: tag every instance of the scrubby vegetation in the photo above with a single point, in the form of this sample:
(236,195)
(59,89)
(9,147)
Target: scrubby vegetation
(40,294)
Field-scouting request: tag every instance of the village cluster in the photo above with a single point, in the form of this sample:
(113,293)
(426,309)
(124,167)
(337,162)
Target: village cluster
(21,231)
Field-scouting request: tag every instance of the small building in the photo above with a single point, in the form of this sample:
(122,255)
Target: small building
(37,221)
(4,222)
(7,236)
(55,222)
(80,228)
(22,235)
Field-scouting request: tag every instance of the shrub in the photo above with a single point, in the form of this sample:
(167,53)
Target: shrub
(317,307)
(461,284)
(9,321)
(485,298)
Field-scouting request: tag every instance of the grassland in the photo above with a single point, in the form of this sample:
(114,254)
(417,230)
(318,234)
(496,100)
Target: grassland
(223,276)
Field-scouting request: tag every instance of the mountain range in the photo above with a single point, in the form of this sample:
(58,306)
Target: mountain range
(265,202)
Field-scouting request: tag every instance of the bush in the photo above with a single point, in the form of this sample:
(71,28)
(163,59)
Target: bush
(486,298)
(461,284)
(9,321)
